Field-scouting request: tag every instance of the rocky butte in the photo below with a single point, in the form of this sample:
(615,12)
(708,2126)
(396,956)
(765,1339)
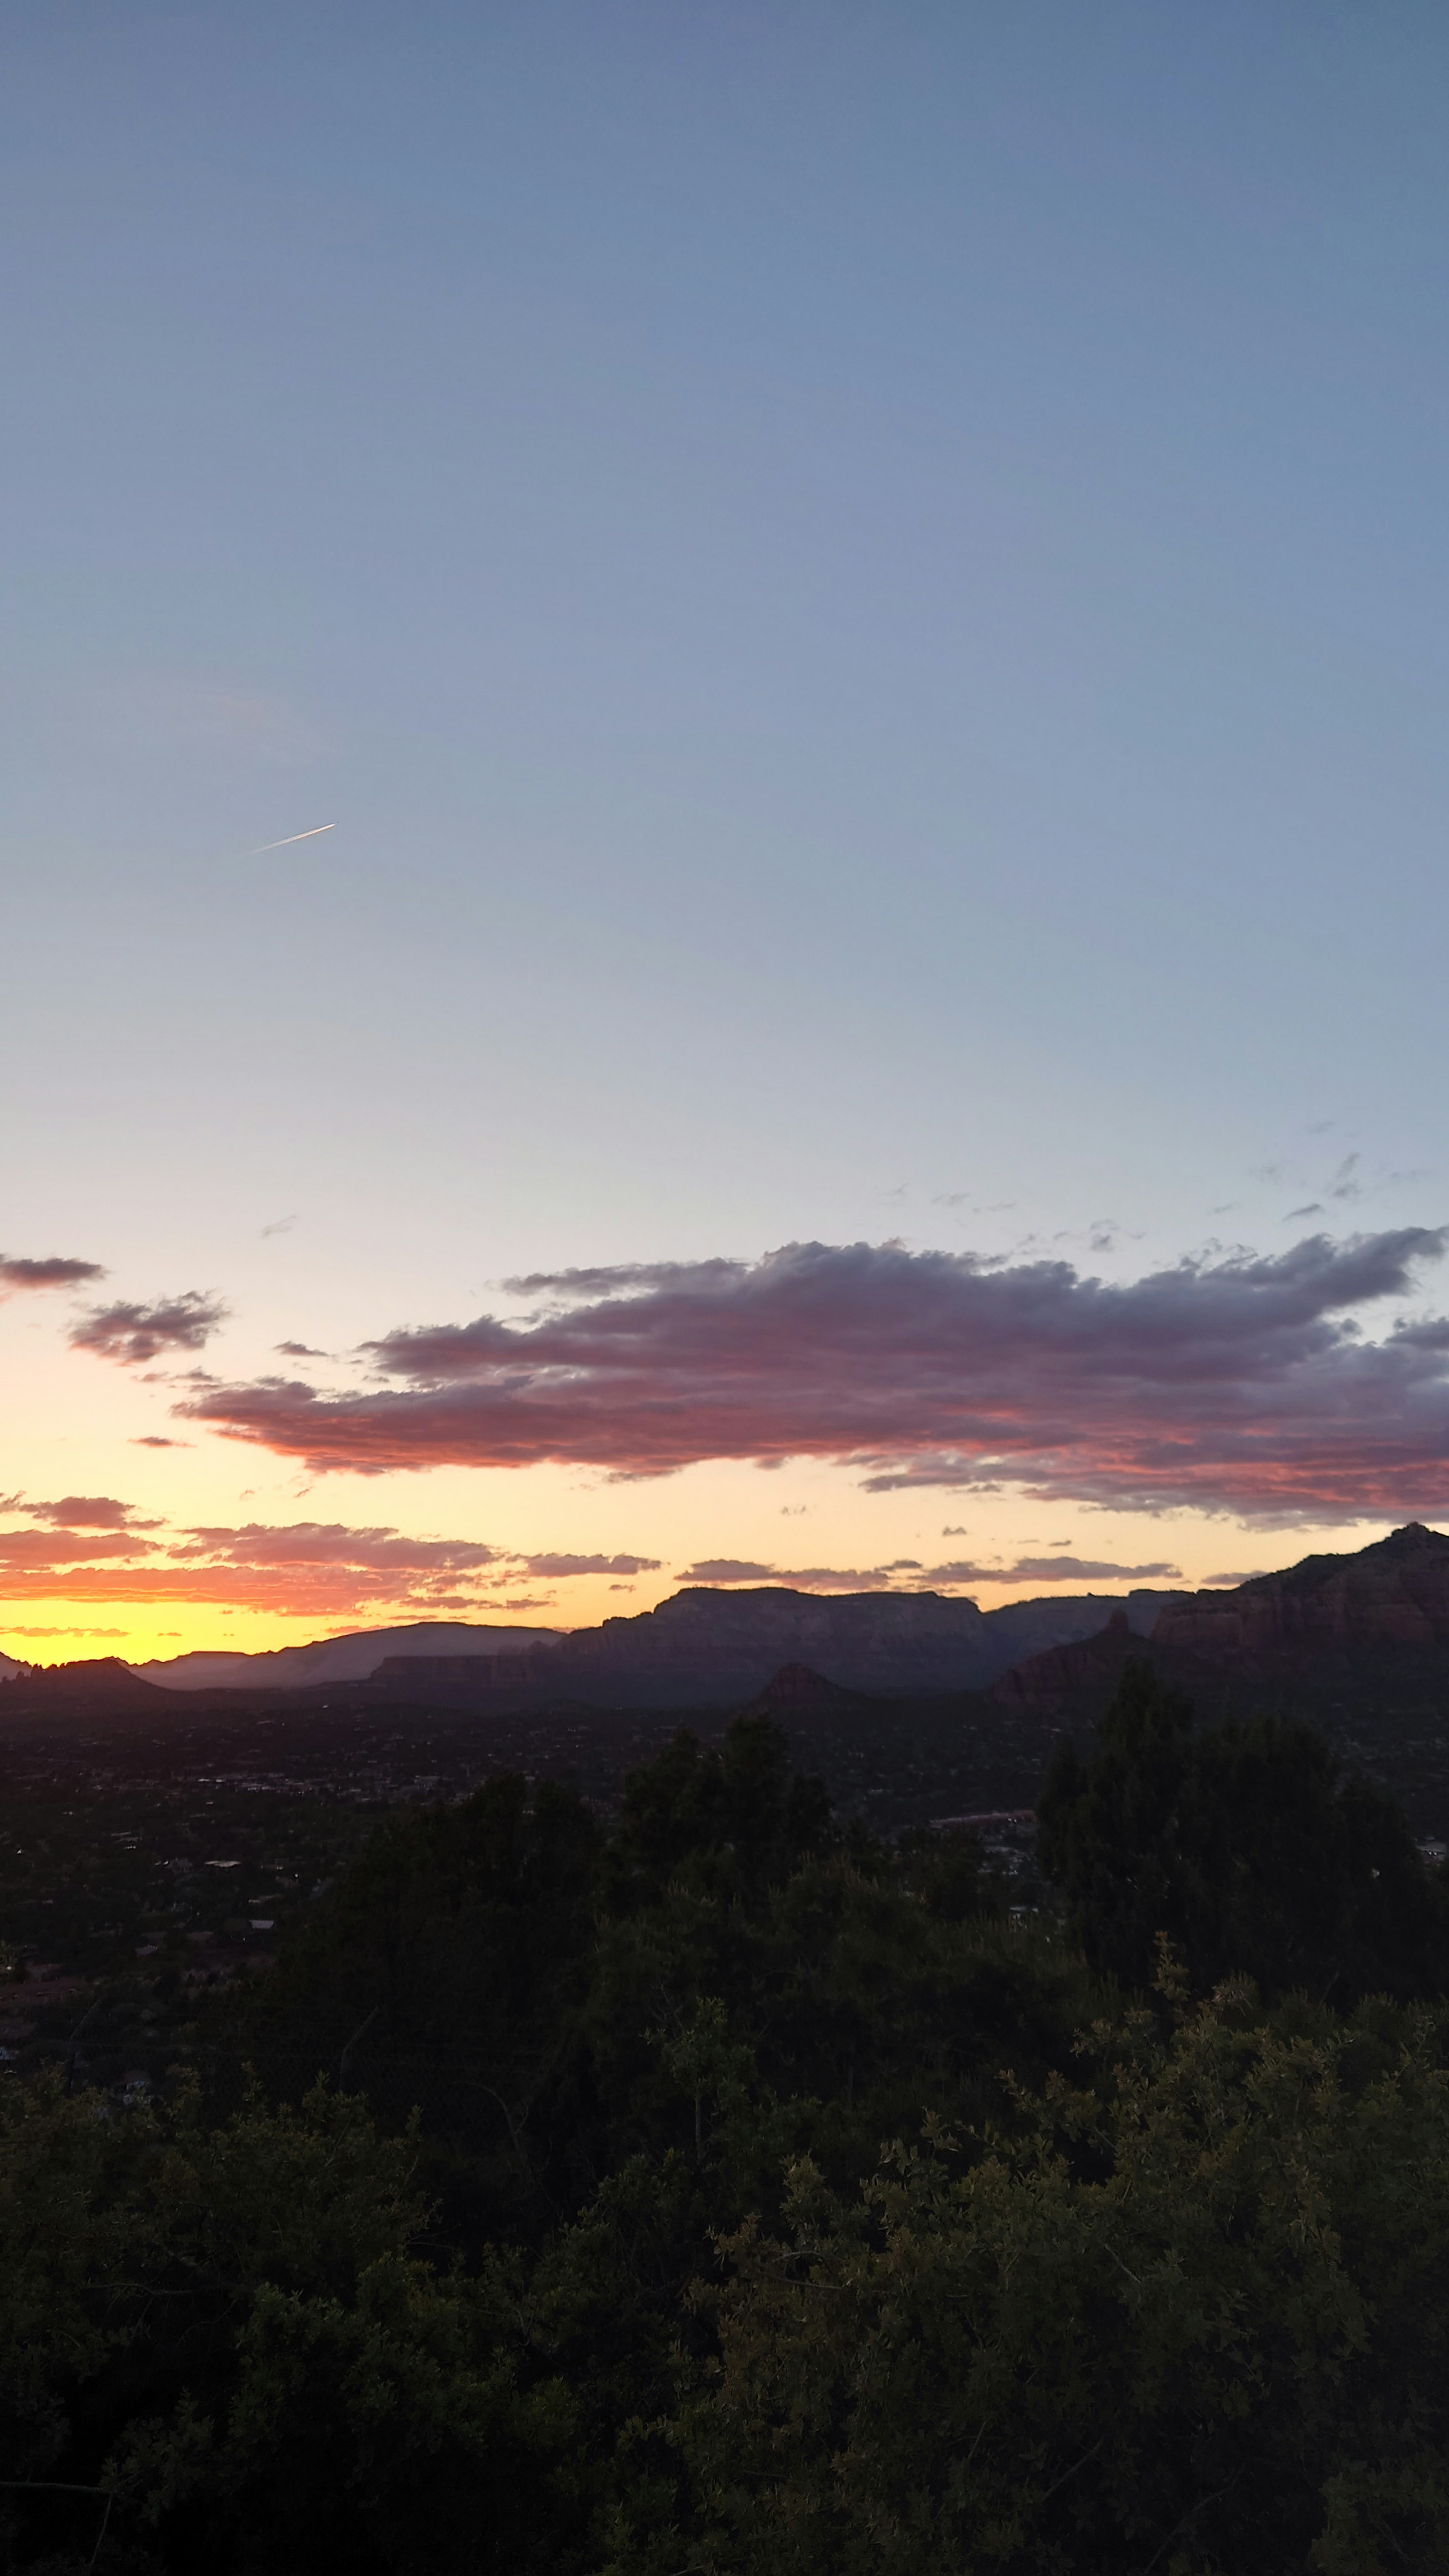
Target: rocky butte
(1394,1593)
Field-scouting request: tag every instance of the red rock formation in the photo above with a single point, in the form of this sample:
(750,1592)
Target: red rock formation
(1065,1677)
(1394,1593)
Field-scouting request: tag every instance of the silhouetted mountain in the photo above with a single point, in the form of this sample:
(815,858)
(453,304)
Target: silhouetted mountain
(101,1686)
(1356,1643)
(337,1659)
(1393,1593)
(795,1693)
(708,1649)
(705,1647)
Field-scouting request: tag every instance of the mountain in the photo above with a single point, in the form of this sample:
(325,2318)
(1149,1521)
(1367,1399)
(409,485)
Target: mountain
(337,1659)
(1393,1593)
(1071,1681)
(700,1647)
(707,1649)
(1358,1644)
(101,1687)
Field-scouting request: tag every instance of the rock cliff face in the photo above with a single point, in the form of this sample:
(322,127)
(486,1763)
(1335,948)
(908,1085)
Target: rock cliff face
(707,1649)
(716,1649)
(1067,1678)
(1395,1593)
(101,1685)
(1357,1645)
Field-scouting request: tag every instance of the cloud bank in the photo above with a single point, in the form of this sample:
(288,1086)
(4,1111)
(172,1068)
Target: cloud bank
(93,1548)
(923,1578)
(1228,1382)
(54,1273)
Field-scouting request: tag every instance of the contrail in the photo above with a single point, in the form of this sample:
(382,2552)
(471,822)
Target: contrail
(286,844)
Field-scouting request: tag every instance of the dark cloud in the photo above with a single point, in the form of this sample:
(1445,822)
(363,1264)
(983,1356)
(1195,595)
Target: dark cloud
(1053,1569)
(153,1440)
(299,1351)
(624,1277)
(729,1569)
(85,1511)
(794,1578)
(55,1273)
(259,1543)
(1229,1381)
(134,1333)
(882,1578)
(553,1568)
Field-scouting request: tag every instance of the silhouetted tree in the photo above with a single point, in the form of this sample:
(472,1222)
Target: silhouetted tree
(1253,1847)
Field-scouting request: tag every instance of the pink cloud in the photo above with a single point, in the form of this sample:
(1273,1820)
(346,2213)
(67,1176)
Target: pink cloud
(793,1578)
(1053,1569)
(47,1549)
(85,1511)
(93,1551)
(331,1543)
(131,1333)
(1234,1382)
(54,1273)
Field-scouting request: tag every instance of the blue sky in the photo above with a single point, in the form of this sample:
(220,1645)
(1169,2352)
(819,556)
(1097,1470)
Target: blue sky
(862,588)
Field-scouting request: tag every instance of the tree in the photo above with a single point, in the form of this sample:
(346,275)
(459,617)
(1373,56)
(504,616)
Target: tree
(1189,2317)
(1253,1847)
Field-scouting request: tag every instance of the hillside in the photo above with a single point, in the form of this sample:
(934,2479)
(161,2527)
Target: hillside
(701,1648)
(1358,1644)
(708,1649)
(336,1659)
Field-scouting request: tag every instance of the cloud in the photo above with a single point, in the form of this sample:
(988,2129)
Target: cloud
(729,1569)
(1053,1569)
(793,1578)
(131,1334)
(331,1543)
(929,1578)
(65,1632)
(553,1568)
(1229,1381)
(153,1440)
(46,1550)
(300,1351)
(95,1550)
(54,1273)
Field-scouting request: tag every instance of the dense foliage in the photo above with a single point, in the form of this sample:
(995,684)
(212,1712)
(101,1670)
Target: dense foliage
(773,2202)
(1254,1847)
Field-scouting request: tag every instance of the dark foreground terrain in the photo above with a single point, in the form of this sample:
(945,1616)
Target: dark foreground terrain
(684,2176)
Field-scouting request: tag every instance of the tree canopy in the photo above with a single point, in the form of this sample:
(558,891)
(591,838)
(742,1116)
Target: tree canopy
(1253,1847)
(717,2189)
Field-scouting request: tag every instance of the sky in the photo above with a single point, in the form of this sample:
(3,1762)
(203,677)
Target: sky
(849,601)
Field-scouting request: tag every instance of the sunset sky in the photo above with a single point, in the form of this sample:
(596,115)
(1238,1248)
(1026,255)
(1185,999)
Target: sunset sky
(860,590)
